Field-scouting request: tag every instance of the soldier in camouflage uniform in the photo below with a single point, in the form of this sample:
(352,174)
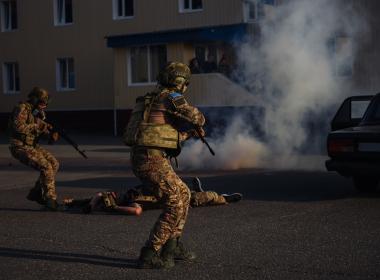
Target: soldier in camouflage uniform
(155,131)
(26,127)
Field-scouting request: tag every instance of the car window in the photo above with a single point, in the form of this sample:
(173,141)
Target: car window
(358,108)
(373,112)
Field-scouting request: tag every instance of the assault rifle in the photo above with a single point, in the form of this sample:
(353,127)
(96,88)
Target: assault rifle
(53,128)
(198,130)
(64,135)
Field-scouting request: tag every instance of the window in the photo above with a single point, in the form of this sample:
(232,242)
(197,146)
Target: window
(65,74)
(255,9)
(145,62)
(203,52)
(252,11)
(190,5)
(358,108)
(123,9)
(343,56)
(11,79)
(63,12)
(8,15)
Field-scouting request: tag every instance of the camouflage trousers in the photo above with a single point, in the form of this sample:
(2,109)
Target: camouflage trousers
(207,198)
(155,171)
(197,199)
(42,160)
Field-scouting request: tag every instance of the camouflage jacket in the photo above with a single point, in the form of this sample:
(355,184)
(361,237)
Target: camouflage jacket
(178,112)
(25,128)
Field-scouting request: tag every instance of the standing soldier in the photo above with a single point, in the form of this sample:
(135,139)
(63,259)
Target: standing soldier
(27,125)
(155,131)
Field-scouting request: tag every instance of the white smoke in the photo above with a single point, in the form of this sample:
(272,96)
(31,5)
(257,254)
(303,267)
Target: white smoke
(239,151)
(293,71)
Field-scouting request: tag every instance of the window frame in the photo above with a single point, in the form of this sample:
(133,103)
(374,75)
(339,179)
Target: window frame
(56,13)
(247,10)
(67,72)
(4,27)
(151,80)
(183,10)
(16,78)
(207,51)
(115,14)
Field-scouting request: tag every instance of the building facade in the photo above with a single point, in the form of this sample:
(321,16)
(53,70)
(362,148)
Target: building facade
(95,57)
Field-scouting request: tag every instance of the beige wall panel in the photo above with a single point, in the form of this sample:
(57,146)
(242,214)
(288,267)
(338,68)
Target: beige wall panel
(165,15)
(215,89)
(175,52)
(212,89)
(128,98)
(38,43)
(188,53)
(120,71)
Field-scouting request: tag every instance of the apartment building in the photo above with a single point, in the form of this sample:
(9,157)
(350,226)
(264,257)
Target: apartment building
(96,56)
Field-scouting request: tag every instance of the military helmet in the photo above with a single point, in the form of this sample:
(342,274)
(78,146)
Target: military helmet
(174,74)
(38,96)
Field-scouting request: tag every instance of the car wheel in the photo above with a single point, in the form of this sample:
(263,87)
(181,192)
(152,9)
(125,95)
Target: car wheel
(365,183)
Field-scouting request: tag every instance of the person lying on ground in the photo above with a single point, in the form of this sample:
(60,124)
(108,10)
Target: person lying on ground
(137,199)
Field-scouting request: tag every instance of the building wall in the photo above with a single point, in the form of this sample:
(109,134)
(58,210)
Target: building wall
(101,72)
(161,15)
(37,43)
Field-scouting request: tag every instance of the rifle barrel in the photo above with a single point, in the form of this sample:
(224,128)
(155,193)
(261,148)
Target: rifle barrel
(204,141)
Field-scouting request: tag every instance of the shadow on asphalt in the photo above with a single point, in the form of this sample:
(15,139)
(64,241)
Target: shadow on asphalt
(22,210)
(271,186)
(68,257)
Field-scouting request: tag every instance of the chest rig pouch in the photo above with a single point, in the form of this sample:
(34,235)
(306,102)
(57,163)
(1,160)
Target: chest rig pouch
(28,139)
(143,133)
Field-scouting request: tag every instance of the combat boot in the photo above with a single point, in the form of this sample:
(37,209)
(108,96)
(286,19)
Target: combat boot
(168,251)
(51,204)
(35,194)
(149,258)
(182,253)
(234,197)
(197,185)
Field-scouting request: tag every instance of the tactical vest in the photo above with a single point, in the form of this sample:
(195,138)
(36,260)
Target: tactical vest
(142,130)
(29,139)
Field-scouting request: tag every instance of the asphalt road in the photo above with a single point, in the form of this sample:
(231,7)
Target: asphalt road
(290,225)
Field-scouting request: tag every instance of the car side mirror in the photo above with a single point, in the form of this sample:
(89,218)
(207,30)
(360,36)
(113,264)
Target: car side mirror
(350,112)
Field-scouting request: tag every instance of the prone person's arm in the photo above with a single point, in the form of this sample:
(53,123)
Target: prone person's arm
(132,209)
